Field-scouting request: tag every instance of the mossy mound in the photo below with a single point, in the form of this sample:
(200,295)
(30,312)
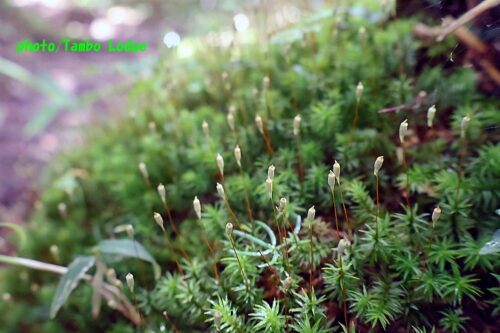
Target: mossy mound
(397,271)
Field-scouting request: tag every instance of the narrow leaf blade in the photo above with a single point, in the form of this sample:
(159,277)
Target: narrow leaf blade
(131,249)
(69,281)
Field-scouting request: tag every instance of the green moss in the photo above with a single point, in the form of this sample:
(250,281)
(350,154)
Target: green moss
(389,272)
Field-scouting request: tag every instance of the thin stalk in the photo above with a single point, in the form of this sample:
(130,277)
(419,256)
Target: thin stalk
(429,247)
(247,198)
(407,187)
(344,300)
(354,121)
(311,263)
(300,159)
(174,228)
(172,250)
(286,241)
(279,228)
(239,262)
(407,192)
(210,248)
(273,271)
(377,212)
(231,212)
(267,141)
(136,308)
(335,214)
(345,213)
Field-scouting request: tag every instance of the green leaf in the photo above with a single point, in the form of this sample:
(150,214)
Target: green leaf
(131,249)
(69,281)
(18,229)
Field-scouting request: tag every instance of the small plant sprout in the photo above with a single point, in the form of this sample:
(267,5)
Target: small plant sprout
(197,210)
(222,194)
(376,169)
(229,233)
(130,282)
(220,190)
(157,217)
(282,205)
(197,207)
(159,220)
(436,214)
(377,165)
(259,124)
(311,215)
(269,187)
(281,209)
(206,131)
(296,125)
(331,180)
(144,171)
(266,82)
(431,113)
(331,184)
(341,246)
(463,125)
(270,172)
(237,155)
(162,193)
(359,90)
(229,229)
(220,165)
(230,121)
(54,251)
(336,171)
(129,278)
(403,131)
(296,134)
(63,210)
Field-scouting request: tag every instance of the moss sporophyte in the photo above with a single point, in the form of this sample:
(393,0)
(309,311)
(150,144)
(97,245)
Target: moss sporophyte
(268,191)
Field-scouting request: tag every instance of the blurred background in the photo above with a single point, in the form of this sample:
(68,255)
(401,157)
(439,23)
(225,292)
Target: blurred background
(47,98)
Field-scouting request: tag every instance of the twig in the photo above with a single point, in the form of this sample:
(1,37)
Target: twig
(468,16)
